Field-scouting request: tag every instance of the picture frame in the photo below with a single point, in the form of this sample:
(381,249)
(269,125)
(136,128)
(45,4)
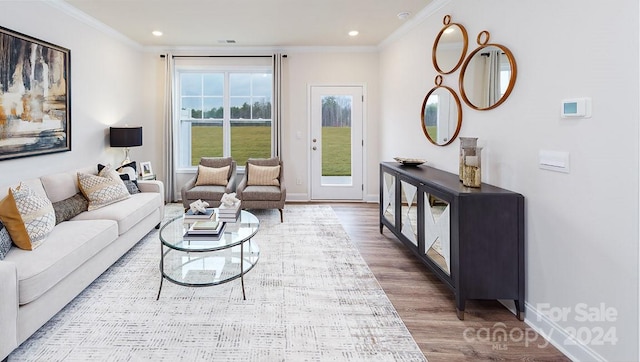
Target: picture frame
(35,96)
(145,169)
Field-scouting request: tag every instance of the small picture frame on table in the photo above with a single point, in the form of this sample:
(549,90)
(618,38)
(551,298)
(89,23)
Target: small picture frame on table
(145,169)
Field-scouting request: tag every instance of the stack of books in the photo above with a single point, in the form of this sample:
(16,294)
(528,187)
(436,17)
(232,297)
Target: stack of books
(205,230)
(229,213)
(190,217)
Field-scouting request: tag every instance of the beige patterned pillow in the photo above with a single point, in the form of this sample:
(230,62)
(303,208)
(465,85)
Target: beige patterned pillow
(212,175)
(101,191)
(28,217)
(263,175)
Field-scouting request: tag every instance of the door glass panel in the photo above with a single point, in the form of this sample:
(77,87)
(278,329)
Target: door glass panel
(409,211)
(437,232)
(336,140)
(389,197)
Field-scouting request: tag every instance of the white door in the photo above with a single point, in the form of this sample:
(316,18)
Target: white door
(336,142)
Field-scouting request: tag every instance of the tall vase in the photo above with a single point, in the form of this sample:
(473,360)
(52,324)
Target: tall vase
(472,167)
(465,142)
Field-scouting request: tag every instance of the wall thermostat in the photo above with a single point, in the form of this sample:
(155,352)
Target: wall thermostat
(576,108)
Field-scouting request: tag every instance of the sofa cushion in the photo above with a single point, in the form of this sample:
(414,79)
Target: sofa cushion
(263,175)
(63,185)
(102,190)
(128,212)
(28,216)
(212,175)
(261,193)
(69,245)
(205,192)
(5,241)
(68,208)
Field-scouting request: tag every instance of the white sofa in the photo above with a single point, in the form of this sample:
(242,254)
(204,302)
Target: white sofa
(35,285)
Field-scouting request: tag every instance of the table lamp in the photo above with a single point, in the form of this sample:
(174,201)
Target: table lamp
(125,137)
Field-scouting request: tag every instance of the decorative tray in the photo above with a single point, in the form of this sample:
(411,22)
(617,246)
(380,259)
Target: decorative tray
(409,161)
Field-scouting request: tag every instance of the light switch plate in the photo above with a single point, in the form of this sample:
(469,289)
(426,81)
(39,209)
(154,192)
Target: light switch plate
(554,160)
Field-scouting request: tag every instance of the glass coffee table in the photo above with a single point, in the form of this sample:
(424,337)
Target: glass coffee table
(203,262)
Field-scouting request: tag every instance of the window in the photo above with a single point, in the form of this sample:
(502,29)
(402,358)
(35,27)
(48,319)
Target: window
(223,113)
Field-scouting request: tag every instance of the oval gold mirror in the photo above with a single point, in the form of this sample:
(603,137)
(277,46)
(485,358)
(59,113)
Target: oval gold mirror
(441,114)
(450,47)
(488,75)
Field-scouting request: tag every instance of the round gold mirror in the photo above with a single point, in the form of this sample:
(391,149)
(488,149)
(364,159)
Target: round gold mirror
(441,114)
(488,75)
(450,47)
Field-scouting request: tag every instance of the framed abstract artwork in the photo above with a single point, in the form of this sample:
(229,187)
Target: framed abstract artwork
(35,96)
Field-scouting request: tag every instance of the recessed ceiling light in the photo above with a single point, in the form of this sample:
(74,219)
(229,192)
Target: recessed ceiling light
(156,33)
(403,15)
(353,33)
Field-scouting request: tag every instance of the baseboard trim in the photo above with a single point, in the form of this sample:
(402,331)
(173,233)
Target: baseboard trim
(558,336)
(304,197)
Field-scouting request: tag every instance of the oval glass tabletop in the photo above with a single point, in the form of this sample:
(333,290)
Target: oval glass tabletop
(172,234)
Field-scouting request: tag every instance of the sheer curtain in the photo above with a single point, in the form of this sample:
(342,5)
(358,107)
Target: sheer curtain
(276,107)
(168,159)
(493,77)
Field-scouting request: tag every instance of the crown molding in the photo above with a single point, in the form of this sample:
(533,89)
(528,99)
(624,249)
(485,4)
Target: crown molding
(410,24)
(65,8)
(230,50)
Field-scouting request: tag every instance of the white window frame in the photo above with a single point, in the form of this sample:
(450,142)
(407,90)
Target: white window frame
(182,141)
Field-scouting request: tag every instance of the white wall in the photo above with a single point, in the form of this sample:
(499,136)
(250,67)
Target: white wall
(106,89)
(581,227)
(327,68)
(316,66)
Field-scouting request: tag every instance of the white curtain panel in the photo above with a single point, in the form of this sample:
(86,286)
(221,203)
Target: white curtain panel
(276,107)
(493,75)
(168,159)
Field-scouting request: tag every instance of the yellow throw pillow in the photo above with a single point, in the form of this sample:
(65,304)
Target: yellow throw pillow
(101,191)
(263,175)
(28,217)
(212,175)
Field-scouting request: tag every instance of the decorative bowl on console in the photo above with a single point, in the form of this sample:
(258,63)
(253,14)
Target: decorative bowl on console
(409,161)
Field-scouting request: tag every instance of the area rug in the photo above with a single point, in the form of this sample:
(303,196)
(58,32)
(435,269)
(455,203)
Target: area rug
(311,297)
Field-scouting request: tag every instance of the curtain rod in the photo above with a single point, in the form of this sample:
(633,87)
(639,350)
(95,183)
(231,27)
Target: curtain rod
(221,56)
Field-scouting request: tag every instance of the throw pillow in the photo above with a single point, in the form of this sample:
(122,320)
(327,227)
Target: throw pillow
(132,186)
(131,164)
(67,209)
(212,175)
(263,175)
(5,241)
(28,217)
(101,191)
(127,174)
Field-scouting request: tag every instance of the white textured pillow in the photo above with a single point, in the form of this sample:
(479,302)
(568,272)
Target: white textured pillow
(102,191)
(263,175)
(28,217)
(212,175)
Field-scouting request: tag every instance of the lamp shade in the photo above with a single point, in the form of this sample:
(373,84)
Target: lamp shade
(125,136)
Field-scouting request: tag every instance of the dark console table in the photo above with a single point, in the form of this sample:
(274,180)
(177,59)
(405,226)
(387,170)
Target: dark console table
(471,238)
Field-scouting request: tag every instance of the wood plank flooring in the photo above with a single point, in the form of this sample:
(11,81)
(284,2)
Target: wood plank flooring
(427,306)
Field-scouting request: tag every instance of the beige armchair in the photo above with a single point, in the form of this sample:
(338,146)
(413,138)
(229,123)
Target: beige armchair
(210,182)
(262,186)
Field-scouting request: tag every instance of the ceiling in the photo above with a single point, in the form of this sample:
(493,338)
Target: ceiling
(252,23)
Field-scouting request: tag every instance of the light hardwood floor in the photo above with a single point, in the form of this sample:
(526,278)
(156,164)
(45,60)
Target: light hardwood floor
(427,306)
